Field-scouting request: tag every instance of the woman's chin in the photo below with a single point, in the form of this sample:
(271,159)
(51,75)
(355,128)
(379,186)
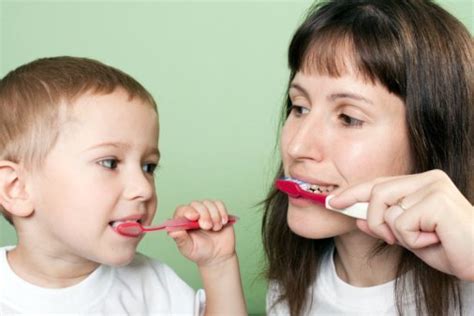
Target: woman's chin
(318,223)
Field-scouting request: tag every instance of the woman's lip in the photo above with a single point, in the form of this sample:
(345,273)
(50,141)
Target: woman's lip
(302,202)
(312,180)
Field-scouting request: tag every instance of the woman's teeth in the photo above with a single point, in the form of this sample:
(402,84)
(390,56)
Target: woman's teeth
(315,188)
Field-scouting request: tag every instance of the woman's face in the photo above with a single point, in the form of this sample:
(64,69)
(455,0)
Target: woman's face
(341,131)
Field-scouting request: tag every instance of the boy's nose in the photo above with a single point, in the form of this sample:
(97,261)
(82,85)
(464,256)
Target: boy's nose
(308,140)
(139,186)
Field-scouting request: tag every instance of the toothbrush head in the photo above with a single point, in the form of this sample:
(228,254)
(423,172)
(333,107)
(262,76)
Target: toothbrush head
(129,229)
(299,189)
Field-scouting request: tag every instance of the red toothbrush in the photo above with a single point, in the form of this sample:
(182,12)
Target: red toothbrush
(299,189)
(135,229)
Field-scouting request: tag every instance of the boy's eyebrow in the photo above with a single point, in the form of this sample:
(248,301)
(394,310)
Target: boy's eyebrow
(150,150)
(334,96)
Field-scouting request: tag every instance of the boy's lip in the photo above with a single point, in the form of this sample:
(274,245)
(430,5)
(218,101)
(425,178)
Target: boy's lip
(136,217)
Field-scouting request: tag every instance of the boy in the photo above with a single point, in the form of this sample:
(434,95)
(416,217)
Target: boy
(78,149)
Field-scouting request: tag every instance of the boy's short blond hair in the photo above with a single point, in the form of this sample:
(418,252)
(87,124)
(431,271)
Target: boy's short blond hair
(31,98)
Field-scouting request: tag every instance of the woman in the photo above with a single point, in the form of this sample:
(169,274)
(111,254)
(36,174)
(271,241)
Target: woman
(379,110)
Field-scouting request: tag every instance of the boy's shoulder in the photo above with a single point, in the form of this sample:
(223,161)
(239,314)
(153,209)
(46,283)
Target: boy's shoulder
(142,263)
(147,271)
(145,286)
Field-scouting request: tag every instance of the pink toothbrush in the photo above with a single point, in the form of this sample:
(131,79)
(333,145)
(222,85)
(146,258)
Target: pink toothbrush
(135,229)
(299,189)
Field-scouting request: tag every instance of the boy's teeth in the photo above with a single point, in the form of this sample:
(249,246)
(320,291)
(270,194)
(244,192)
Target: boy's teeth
(116,223)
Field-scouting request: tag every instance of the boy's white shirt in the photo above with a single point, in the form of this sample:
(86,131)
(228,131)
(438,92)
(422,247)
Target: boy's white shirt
(333,296)
(143,287)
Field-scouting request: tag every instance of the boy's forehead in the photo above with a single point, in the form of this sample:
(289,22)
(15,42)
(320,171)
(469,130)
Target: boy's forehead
(108,105)
(110,118)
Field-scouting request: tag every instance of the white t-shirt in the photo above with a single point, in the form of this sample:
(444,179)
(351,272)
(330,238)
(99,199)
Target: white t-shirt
(143,287)
(333,296)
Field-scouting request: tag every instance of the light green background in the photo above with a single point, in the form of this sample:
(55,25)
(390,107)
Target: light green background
(218,71)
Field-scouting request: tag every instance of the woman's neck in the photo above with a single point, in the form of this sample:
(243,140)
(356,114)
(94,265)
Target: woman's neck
(357,264)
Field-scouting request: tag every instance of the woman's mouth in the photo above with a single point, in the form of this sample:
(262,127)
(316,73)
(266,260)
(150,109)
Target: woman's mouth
(312,187)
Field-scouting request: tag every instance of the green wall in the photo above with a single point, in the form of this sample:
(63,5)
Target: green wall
(218,72)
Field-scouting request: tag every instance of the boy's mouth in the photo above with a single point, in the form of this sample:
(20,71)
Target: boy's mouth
(114,224)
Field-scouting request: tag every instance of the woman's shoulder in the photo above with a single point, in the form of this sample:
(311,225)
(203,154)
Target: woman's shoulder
(467,289)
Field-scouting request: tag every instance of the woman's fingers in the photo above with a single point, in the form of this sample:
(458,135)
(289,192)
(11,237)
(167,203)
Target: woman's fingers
(388,189)
(387,198)
(404,222)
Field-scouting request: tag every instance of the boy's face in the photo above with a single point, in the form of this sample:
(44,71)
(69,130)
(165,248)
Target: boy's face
(99,171)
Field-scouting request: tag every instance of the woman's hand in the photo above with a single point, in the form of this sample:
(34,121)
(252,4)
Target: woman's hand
(425,213)
(211,244)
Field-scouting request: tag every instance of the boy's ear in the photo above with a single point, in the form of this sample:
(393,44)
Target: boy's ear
(13,195)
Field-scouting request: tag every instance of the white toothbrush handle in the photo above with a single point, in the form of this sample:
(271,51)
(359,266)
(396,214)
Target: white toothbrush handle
(357,210)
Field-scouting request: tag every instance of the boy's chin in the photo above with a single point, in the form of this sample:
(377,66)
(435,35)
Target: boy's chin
(119,259)
(119,262)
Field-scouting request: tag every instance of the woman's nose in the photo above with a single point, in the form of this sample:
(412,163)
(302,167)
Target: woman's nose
(307,139)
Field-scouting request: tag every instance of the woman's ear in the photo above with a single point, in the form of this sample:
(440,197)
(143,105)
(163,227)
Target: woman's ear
(13,195)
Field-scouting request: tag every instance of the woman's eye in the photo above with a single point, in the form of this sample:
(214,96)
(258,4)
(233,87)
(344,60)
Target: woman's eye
(109,163)
(350,121)
(150,168)
(299,110)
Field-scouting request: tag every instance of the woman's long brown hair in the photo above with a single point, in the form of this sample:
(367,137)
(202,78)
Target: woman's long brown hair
(422,54)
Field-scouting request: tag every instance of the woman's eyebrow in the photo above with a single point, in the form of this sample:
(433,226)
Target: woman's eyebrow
(349,95)
(300,89)
(333,96)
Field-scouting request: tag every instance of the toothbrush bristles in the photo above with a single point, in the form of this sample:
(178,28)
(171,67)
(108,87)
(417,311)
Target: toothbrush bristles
(303,185)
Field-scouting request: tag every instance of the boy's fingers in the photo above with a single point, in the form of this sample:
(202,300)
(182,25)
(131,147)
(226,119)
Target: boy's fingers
(187,212)
(205,220)
(223,211)
(214,214)
(181,238)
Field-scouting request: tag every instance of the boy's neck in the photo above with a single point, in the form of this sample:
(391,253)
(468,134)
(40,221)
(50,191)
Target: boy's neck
(357,265)
(45,270)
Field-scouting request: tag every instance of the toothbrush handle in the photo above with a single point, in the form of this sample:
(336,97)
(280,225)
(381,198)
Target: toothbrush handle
(357,210)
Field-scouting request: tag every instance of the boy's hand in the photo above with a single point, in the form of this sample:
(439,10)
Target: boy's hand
(214,242)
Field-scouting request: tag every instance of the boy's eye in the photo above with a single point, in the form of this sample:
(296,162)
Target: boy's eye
(149,168)
(109,163)
(298,110)
(350,121)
